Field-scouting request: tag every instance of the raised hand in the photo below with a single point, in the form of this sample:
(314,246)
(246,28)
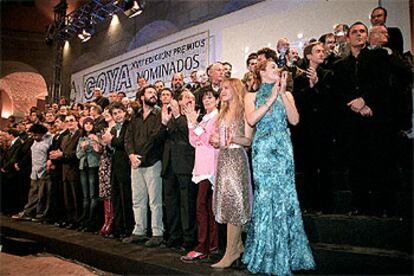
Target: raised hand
(283,81)
(175,108)
(312,75)
(165,116)
(107,137)
(191,114)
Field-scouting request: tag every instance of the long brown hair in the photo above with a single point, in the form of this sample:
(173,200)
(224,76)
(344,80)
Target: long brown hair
(239,91)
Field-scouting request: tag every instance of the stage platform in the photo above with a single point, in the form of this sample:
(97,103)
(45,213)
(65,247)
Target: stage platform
(341,245)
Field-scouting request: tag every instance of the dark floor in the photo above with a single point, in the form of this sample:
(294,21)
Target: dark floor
(341,245)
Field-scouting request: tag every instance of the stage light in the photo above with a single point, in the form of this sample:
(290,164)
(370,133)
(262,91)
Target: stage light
(132,8)
(84,36)
(87,33)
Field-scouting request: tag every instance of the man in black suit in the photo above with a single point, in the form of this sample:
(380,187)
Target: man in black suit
(313,136)
(10,184)
(177,166)
(120,172)
(366,104)
(70,171)
(395,40)
(55,170)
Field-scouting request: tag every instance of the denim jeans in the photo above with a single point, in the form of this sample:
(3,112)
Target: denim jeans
(147,184)
(89,183)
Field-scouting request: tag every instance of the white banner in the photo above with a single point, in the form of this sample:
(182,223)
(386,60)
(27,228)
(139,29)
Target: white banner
(121,73)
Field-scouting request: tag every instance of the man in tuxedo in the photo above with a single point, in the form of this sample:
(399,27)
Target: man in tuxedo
(177,166)
(395,39)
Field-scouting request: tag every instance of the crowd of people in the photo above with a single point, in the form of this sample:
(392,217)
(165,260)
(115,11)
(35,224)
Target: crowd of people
(223,151)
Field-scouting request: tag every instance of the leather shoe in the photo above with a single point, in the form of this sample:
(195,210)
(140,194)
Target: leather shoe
(154,241)
(173,244)
(134,239)
(71,226)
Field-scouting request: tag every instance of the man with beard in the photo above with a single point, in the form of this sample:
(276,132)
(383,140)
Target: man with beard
(282,47)
(177,84)
(144,145)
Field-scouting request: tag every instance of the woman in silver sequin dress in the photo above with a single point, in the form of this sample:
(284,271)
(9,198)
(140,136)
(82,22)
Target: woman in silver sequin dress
(232,199)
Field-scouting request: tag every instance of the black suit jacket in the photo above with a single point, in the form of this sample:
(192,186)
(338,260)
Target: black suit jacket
(120,160)
(25,159)
(70,162)
(314,104)
(12,156)
(57,145)
(395,40)
(178,151)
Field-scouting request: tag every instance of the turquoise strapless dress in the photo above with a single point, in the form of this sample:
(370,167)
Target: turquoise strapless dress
(276,241)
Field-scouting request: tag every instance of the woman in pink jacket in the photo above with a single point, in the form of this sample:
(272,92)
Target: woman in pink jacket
(204,173)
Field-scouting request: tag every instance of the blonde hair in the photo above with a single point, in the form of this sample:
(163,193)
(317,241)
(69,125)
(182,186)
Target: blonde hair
(239,91)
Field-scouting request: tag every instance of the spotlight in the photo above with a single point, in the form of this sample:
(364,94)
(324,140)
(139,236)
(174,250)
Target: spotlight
(84,36)
(86,33)
(132,8)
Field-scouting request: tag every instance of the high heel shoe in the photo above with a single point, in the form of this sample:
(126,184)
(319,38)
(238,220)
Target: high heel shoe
(233,264)
(238,264)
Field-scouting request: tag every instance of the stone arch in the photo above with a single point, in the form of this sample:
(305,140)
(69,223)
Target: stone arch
(151,32)
(6,106)
(21,86)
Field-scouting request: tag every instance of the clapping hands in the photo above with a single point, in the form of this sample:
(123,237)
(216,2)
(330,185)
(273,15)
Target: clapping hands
(191,114)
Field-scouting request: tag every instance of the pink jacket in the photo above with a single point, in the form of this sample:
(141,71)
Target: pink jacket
(205,154)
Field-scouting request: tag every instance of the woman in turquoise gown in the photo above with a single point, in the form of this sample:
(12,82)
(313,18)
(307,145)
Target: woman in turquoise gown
(276,241)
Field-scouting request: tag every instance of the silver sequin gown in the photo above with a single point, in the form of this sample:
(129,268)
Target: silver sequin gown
(232,197)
